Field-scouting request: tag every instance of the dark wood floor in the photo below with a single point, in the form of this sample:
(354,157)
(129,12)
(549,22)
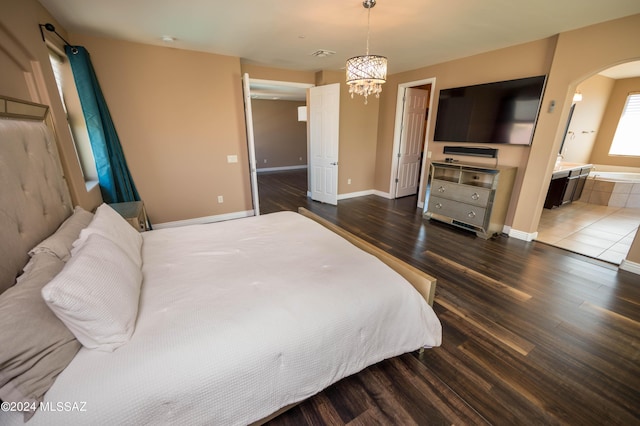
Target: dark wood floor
(532,334)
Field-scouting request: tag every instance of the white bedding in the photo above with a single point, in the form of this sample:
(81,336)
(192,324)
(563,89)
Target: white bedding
(238,319)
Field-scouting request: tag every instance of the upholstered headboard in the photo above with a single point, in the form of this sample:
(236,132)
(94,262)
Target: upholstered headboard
(34,198)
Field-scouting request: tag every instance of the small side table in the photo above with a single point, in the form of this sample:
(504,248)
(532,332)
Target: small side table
(134,213)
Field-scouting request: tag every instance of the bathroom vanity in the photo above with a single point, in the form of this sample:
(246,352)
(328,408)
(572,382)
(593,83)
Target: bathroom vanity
(567,183)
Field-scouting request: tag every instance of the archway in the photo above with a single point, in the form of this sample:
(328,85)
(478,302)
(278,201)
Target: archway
(600,218)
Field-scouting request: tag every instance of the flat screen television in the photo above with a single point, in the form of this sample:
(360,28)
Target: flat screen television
(503,112)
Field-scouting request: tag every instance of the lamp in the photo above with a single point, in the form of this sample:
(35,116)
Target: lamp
(577,97)
(367,73)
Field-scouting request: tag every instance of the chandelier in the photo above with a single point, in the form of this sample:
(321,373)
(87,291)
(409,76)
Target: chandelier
(367,73)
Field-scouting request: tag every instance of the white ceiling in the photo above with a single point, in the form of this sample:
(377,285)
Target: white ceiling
(285,33)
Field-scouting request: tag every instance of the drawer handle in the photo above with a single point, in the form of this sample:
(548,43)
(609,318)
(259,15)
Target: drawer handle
(475,196)
(441,189)
(471,214)
(438,205)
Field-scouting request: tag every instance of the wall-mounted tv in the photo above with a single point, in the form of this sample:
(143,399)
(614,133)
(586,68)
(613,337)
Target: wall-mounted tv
(503,112)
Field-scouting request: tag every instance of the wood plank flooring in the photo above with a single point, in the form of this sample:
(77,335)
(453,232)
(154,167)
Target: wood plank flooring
(532,334)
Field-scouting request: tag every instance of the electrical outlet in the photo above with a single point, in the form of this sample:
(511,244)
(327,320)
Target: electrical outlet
(232,158)
(265,161)
(428,154)
(348,181)
(220,199)
(300,158)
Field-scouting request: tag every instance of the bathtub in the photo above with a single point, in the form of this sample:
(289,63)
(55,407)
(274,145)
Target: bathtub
(616,189)
(615,176)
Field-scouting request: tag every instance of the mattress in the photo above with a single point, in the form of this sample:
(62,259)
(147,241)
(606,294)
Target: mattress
(238,319)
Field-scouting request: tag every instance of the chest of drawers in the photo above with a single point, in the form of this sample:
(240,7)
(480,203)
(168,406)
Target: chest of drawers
(470,196)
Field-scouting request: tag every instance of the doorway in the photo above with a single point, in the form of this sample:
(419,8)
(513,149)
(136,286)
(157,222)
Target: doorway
(278,107)
(603,223)
(403,177)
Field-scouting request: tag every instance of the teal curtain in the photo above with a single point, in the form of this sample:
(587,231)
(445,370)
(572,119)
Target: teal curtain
(116,183)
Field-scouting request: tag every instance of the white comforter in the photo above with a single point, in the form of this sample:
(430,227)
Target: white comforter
(240,318)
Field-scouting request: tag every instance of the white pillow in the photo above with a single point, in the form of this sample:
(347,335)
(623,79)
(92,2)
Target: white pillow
(96,294)
(108,223)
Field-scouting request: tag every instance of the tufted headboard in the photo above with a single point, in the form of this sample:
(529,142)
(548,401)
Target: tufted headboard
(34,198)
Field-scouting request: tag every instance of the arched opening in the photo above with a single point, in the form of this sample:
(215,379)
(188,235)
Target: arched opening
(596,213)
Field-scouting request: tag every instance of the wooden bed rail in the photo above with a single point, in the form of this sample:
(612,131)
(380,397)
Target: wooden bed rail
(423,282)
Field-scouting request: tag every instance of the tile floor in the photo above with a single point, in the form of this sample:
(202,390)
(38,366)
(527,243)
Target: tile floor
(602,232)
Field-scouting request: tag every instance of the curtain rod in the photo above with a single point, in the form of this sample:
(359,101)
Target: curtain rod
(49,27)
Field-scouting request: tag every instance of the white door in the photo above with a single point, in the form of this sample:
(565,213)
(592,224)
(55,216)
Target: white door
(324,117)
(411,141)
(251,143)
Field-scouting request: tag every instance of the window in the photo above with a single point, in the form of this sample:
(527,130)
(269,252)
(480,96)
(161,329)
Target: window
(626,140)
(75,118)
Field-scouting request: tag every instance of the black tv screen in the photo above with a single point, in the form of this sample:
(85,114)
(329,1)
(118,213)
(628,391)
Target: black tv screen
(504,112)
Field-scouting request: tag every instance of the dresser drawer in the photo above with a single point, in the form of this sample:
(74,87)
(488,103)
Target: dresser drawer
(469,194)
(462,212)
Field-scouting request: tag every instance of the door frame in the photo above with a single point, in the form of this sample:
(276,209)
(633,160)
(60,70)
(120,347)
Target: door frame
(397,133)
(248,119)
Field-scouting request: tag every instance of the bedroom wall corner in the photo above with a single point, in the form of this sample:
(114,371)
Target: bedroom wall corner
(179,114)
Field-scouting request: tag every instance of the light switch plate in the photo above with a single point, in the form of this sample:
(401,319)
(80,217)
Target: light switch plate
(232,158)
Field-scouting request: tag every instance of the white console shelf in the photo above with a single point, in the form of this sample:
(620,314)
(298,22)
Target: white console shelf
(471,196)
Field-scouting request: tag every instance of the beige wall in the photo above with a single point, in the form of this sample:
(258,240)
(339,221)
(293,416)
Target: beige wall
(615,106)
(280,139)
(568,59)
(519,61)
(587,116)
(178,114)
(358,136)
(26,74)
(578,55)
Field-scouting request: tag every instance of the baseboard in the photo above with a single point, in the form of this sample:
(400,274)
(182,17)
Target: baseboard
(355,194)
(206,219)
(521,235)
(629,266)
(386,195)
(280,169)
(360,194)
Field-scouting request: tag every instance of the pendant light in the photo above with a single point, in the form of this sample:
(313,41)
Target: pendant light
(367,73)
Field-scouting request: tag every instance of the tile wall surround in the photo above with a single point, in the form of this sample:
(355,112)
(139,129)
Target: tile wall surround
(609,193)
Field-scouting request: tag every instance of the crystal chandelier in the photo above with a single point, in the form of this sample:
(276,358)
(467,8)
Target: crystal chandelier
(366,73)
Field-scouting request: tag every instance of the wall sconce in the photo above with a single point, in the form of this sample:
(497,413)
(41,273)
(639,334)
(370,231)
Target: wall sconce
(577,97)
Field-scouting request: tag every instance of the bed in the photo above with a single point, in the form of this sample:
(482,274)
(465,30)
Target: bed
(224,323)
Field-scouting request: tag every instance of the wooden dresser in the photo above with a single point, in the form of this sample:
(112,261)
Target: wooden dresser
(470,196)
